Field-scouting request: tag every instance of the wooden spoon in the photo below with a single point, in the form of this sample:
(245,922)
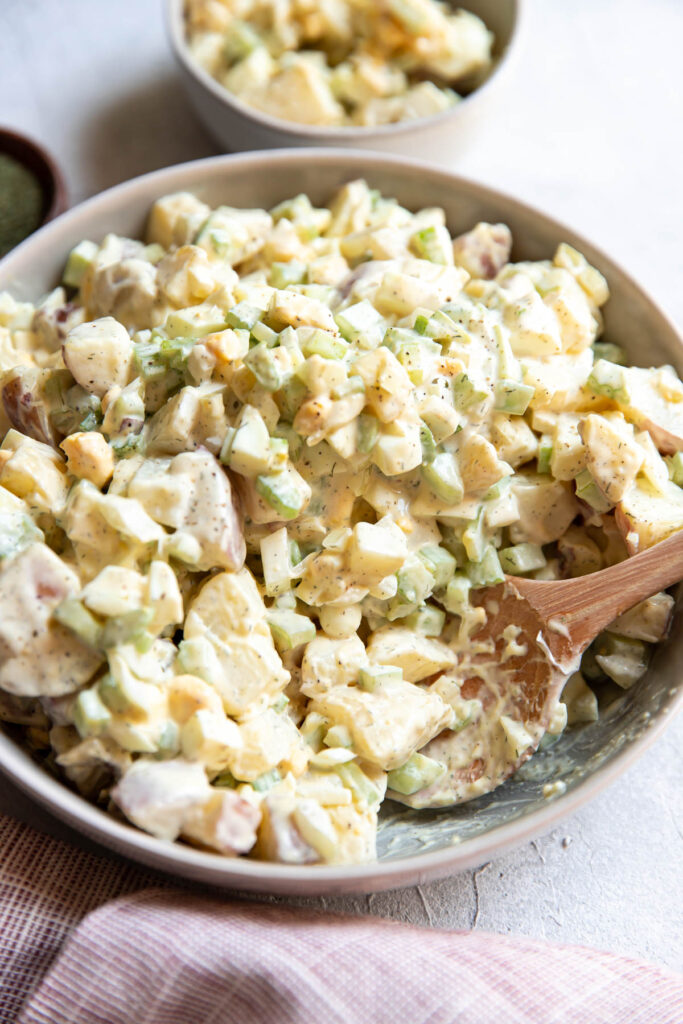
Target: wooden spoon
(517,663)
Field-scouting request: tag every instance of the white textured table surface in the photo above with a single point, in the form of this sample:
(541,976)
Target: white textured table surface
(590,131)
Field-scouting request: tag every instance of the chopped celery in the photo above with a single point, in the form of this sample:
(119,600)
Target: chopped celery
(368,432)
(457,596)
(282,275)
(440,563)
(355,779)
(290,629)
(194,322)
(261,332)
(433,245)
(290,398)
(338,736)
(294,441)
(267,781)
(372,677)
(428,620)
(415,582)
(78,261)
(17,531)
(281,492)
(90,715)
(675,465)
(294,552)
(443,477)
(361,323)
(513,397)
(474,538)
(429,450)
(263,363)
(73,614)
(324,344)
(239,40)
(293,209)
(313,729)
(522,558)
(606,350)
(465,394)
(127,696)
(421,323)
(418,772)
(243,315)
(130,628)
(608,379)
(587,490)
(441,328)
(488,571)
(544,453)
(279,453)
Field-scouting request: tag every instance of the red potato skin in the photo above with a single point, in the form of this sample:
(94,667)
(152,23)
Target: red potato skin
(25,410)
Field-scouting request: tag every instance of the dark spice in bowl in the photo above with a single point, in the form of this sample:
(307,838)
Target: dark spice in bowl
(21,202)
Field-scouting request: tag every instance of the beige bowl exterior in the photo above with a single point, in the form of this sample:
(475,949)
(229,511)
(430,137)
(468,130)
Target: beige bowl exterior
(415,846)
(440,138)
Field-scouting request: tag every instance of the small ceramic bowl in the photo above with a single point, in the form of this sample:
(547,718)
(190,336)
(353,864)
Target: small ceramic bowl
(413,846)
(40,163)
(236,126)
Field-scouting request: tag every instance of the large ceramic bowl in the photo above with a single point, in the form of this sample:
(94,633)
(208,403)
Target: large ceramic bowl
(441,137)
(413,846)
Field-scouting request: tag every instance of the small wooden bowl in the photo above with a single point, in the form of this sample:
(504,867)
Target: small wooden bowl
(41,164)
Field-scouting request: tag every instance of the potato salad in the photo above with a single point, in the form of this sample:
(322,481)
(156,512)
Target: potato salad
(256,472)
(340,62)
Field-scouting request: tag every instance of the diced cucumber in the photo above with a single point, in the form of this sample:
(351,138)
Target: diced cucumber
(588,491)
(73,614)
(282,275)
(606,350)
(488,572)
(513,397)
(243,315)
(440,563)
(521,558)
(361,323)
(465,394)
(79,260)
(418,772)
(373,677)
(290,629)
(90,715)
(324,344)
(457,596)
(544,454)
(355,779)
(428,620)
(608,379)
(283,492)
(442,475)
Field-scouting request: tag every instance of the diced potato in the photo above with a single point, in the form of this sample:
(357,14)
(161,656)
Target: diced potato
(99,355)
(224,822)
(418,656)
(268,741)
(480,465)
(483,251)
(211,738)
(193,418)
(175,219)
(654,402)
(546,508)
(568,456)
(580,701)
(329,663)
(89,457)
(376,550)
(513,439)
(34,472)
(648,620)
(646,515)
(579,553)
(157,796)
(613,455)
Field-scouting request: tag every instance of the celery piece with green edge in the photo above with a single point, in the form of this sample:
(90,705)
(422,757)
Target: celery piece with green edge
(440,327)
(474,539)
(79,260)
(295,555)
(457,596)
(283,275)
(675,467)
(324,344)
(368,432)
(355,779)
(243,315)
(132,444)
(512,397)
(262,363)
(280,491)
(17,531)
(289,629)
(153,253)
(607,350)
(544,454)
(261,333)
(239,40)
(293,209)
(289,399)
(487,572)
(294,441)
(587,490)
(442,475)
(498,489)
(624,660)
(429,449)
(440,563)
(521,558)
(146,357)
(414,582)
(608,379)
(428,620)
(418,772)
(431,244)
(361,321)
(128,696)
(465,394)
(373,677)
(188,323)
(266,781)
(129,628)
(91,717)
(73,614)
(338,736)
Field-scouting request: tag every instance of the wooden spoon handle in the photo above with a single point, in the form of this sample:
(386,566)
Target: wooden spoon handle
(584,606)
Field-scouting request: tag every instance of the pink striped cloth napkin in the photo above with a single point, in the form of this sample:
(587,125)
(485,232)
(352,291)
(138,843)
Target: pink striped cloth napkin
(161,955)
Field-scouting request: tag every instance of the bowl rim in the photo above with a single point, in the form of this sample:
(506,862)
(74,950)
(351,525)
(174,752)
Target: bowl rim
(272,877)
(174,21)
